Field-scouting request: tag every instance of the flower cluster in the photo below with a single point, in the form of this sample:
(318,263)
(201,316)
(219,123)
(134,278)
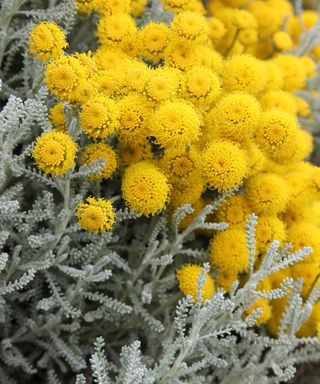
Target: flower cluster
(182,111)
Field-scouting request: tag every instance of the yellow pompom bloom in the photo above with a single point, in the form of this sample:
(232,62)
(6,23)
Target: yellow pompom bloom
(304,234)
(54,152)
(64,77)
(116,28)
(309,273)
(154,38)
(294,74)
(309,65)
(276,133)
(95,215)
(136,75)
(217,29)
(86,6)
(57,117)
(234,211)
(93,152)
(274,76)
(162,85)
(191,26)
(47,41)
(244,73)
(266,311)
(267,193)
(228,251)
(187,191)
(282,41)
(175,124)
(129,153)
(303,107)
(299,184)
(235,117)
(134,116)
(109,83)
(208,57)
(137,7)
(225,279)
(268,17)
(110,7)
(181,54)
(269,228)
(111,58)
(248,37)
(256,159)
(224,165)
(188,276)
(99,117)
(278,99)
(145,188)
(175,5)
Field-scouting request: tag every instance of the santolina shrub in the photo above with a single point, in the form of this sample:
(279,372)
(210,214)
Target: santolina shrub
(156,172)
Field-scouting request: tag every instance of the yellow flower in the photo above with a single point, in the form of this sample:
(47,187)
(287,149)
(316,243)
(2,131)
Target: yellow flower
(116,28)
(54,152)
(274,76)
(282,41)
(109,7)
(235,117)
(217,29)
(47,41)
(175,5)
(266,311)
(57,117)
(181,54)
(267,193)
(188,276)
(134,116)
(64,77)
(191,26)
(136,75)
(145,188)
(269,228)
(309,273)
(208,57)
(113,58)
(278,99)
(244,73)
(154,39)
(95,215)
(201,82)
(309,65)
(93,152)
(309,328)
(137,7)
(175,124)
(86,6)
(187,191)
(256,159)
(234,211)
(162,85)
(293,71)
(228,251)
(225,279)
(109,83)
(99,117)
(133,153)
(224,165)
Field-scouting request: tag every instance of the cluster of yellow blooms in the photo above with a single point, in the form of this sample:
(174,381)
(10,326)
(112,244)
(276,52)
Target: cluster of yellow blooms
(205,103)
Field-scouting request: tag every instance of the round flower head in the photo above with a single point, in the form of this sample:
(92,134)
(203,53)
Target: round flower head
(264,305)
(57,117)
(278,99)
(274,76)
(188,276)
(234,211)
(145,188)
(276,133)
(187,191)
(225,279)
(86,6)
(175,5)
(208,57)
(109,83)
(154,38)
(129,153)
(99,117)
(54,152)
(191,26)
(137,7)
(134,116)
(47,41)
(256,159)
(235,117)
(267,193)
(244,73)
(175,124)
(136,75)
(95,215)
(162,85)
(269,228)
(217,29)
(111,58)
(310,66)
(294,74)
(309,273)
(224,165)
(93,152)
(180,54)
(116,28)
(110,7)
(282,41)
(305,234)
(64,77)
(309,328)
(228,251)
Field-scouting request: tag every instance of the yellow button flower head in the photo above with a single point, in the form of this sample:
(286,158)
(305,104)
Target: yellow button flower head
(274,76)
(309,273)
(86,6)
(93,152)
(276,133)
(175,5)
(235,117)
(133,153)
(99,117)
(54,152)
(256,159)
(145,188)
(191,26)
(305,234)
(137,7)
(224,165)
(181,54)
(244,73)
(187,191)
(278,99)
(154,38)
(64,77)
(269,228)
(109,83)
(162,85)
(136,75)
(134,116)
(217,29)
(116,28)
(266,311)
(57,117)
(228,251)
(310,66)
(208,57)
(110,7)
(47,41)
(294,74)
(111,58)
(234,211)
(95,215)
(267,193)
(225,279)
(282,41)
(176,124)
(188,276)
